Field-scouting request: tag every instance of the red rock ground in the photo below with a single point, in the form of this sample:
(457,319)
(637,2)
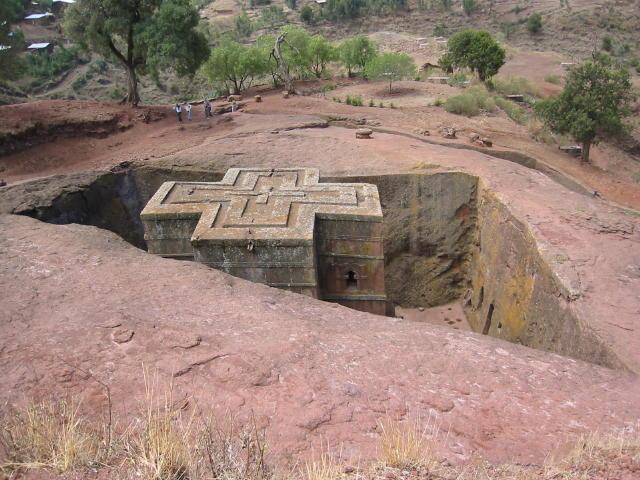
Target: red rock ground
(78,299)
(308,370)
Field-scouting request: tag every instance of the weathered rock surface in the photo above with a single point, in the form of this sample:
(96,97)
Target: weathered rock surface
(75,297)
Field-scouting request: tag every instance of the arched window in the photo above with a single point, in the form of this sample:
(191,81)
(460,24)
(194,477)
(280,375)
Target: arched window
(352,280)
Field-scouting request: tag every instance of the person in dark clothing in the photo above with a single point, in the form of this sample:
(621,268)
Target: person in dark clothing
(207,108)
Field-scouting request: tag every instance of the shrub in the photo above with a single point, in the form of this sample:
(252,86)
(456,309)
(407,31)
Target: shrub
(553,78)
(469,6)
(272,16)
(438,102)
(513,111)
(49,66)
(439,30)
(243,24)
(607,43)
(79,82)
(307,15)
(372,103)
(470,103)
(381,105)
(534,23)
(458,79)
(292,4)
(513,85)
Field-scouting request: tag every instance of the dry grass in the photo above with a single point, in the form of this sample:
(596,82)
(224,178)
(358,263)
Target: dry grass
(407,444)
(325,468)
(48,435)
(166,444)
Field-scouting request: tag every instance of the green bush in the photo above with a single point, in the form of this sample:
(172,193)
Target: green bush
(553,78)
(273,16)
(513,111)
(513,85)
(534,23)
(438,102)
(458,79)
(48,66)
(607,43)
(79,82)
(307,15)
(439,30)
(243,24)
(470,103)
(372,103)
(469,6)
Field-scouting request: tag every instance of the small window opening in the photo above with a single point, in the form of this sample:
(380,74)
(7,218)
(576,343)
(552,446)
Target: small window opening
(487,323)
(352,280)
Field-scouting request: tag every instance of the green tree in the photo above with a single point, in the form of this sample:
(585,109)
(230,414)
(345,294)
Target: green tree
(145,36)
(355,52)
(534,23)
(390,67)
(244,25)
(476,50)
(11,42)
(469,6)
(343,9)
(321,52)
(597,97)
(235,65)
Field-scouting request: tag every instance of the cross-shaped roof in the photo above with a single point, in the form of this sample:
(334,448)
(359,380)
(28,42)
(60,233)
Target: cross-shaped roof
(263,204)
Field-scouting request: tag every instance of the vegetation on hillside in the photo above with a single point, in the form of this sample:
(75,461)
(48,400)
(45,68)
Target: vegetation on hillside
(596,99)
(11,42)
(390,67)
(143,38)
(476,50)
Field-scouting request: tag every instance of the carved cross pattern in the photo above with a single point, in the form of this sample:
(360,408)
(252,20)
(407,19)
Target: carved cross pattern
(251,203)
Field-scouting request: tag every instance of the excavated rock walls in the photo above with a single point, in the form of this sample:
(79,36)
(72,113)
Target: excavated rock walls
(515,296)
(446,236)
(429,225)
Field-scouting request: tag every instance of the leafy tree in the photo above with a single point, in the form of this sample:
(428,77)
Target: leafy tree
(321,52)
(343,9)
(391,67)
(296,50)
(265,44)
(243,24)
(11,42)
(356,51)
(273,16)
(597,96)
(307,15)
(476,50)
(145,36)
(235,65)
(534,23)
(469,6)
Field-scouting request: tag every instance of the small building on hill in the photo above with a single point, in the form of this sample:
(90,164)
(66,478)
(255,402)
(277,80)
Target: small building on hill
(43,47)
(40,18)
(58,6)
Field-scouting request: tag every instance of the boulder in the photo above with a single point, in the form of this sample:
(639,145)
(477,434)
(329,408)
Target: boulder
(285,94)
(448,132)
(234,98)
(364,133)
(258,98)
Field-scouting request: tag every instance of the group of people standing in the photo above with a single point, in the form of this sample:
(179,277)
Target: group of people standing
(186,107)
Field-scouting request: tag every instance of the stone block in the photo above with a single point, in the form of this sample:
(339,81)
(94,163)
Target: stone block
(279,227)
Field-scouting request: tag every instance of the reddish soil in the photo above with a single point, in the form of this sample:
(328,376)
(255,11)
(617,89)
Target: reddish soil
(309,372)
(612,173)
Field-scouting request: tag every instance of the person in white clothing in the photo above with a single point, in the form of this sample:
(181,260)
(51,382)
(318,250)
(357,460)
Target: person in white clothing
(187,107)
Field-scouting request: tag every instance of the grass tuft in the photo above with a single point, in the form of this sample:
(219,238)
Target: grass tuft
(406,444)
(513,85)
(323,469)
(553,78)
(48,435)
